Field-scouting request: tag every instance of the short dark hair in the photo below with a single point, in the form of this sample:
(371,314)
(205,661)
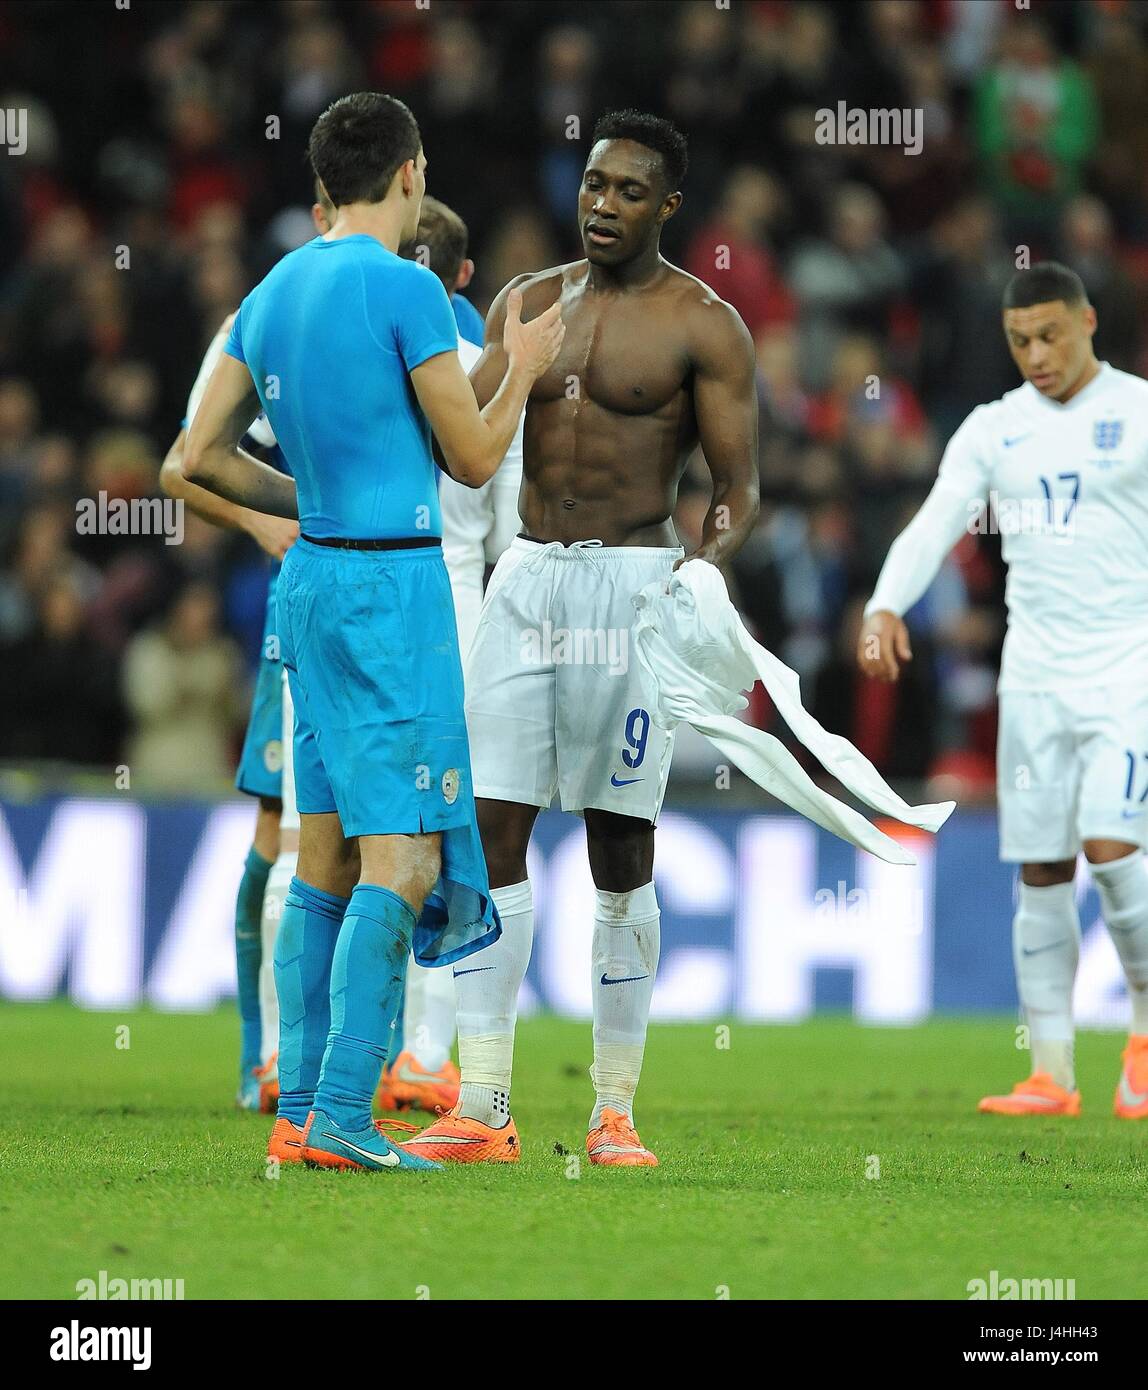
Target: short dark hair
(1041,284)
(443,232)
(657,134)
(359,143)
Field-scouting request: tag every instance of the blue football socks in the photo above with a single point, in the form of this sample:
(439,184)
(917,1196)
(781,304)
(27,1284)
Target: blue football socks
(304,949)
(248,957)
(367,976)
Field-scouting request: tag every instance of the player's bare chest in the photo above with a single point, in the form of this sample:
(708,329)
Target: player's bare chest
(628,357)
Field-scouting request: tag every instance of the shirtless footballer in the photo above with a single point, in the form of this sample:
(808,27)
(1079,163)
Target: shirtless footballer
(653,364)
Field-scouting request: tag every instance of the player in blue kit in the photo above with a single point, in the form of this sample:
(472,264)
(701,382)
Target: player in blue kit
(271,859)
(471,324)
(352,353)
(270,862)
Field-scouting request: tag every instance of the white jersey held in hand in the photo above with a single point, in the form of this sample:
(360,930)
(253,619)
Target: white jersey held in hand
(1067,488)
(695,657)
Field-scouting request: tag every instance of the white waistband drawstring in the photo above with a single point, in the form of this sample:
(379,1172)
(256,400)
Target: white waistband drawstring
(583,549)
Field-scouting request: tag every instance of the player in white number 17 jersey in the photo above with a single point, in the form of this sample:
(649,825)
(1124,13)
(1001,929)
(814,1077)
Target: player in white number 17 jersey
(1060,467)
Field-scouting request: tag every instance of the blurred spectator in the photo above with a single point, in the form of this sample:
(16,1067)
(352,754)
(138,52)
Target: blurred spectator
(457,114)
(795,67)
(1117,65)
(893,725)
(810,549)
(973,33)
(40,556)
(520,241)
(203,169)
(702,91)
(59,687)
(847,280)
(861,393)
(567,83)
(125,392)
(732,253)
(19,417)
(786,402)
(1035,126)
(958,282)
(181,685)
(915,187)
(54,469)
(1087,245)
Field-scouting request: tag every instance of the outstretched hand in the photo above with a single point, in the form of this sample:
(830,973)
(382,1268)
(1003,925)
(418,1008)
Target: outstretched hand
(532,346)
(883,646)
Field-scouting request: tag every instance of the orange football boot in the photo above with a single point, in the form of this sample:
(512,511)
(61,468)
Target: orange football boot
(268,1078)
(615,1143)
(453,1138)
(1039,1095)
(404,1085)
(1131,1100)
(286,1142)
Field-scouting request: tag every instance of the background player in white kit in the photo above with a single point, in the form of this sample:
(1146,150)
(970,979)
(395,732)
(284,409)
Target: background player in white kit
(477,526)
(271,858)
(1062,462)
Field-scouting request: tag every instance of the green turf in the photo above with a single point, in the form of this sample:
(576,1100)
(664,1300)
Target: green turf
(132,1161)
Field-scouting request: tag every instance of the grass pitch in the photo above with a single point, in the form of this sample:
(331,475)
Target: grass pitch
(822,1160)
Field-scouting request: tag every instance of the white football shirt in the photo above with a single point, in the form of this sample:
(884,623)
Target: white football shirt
(260,428)
(478,523)
(1067,488)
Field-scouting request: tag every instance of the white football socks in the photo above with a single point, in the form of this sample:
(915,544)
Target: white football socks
(1046,947)
(428,1015)
(627,940)
(486,985)
(1123,888)
(274,896)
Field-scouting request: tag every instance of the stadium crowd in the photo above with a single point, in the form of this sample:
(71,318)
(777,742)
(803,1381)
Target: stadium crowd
(164,174)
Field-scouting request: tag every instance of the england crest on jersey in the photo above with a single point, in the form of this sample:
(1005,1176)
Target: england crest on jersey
(1107,434)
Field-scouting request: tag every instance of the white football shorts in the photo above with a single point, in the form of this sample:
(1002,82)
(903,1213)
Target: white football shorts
(1072,765)
(289,820)
(553,691)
